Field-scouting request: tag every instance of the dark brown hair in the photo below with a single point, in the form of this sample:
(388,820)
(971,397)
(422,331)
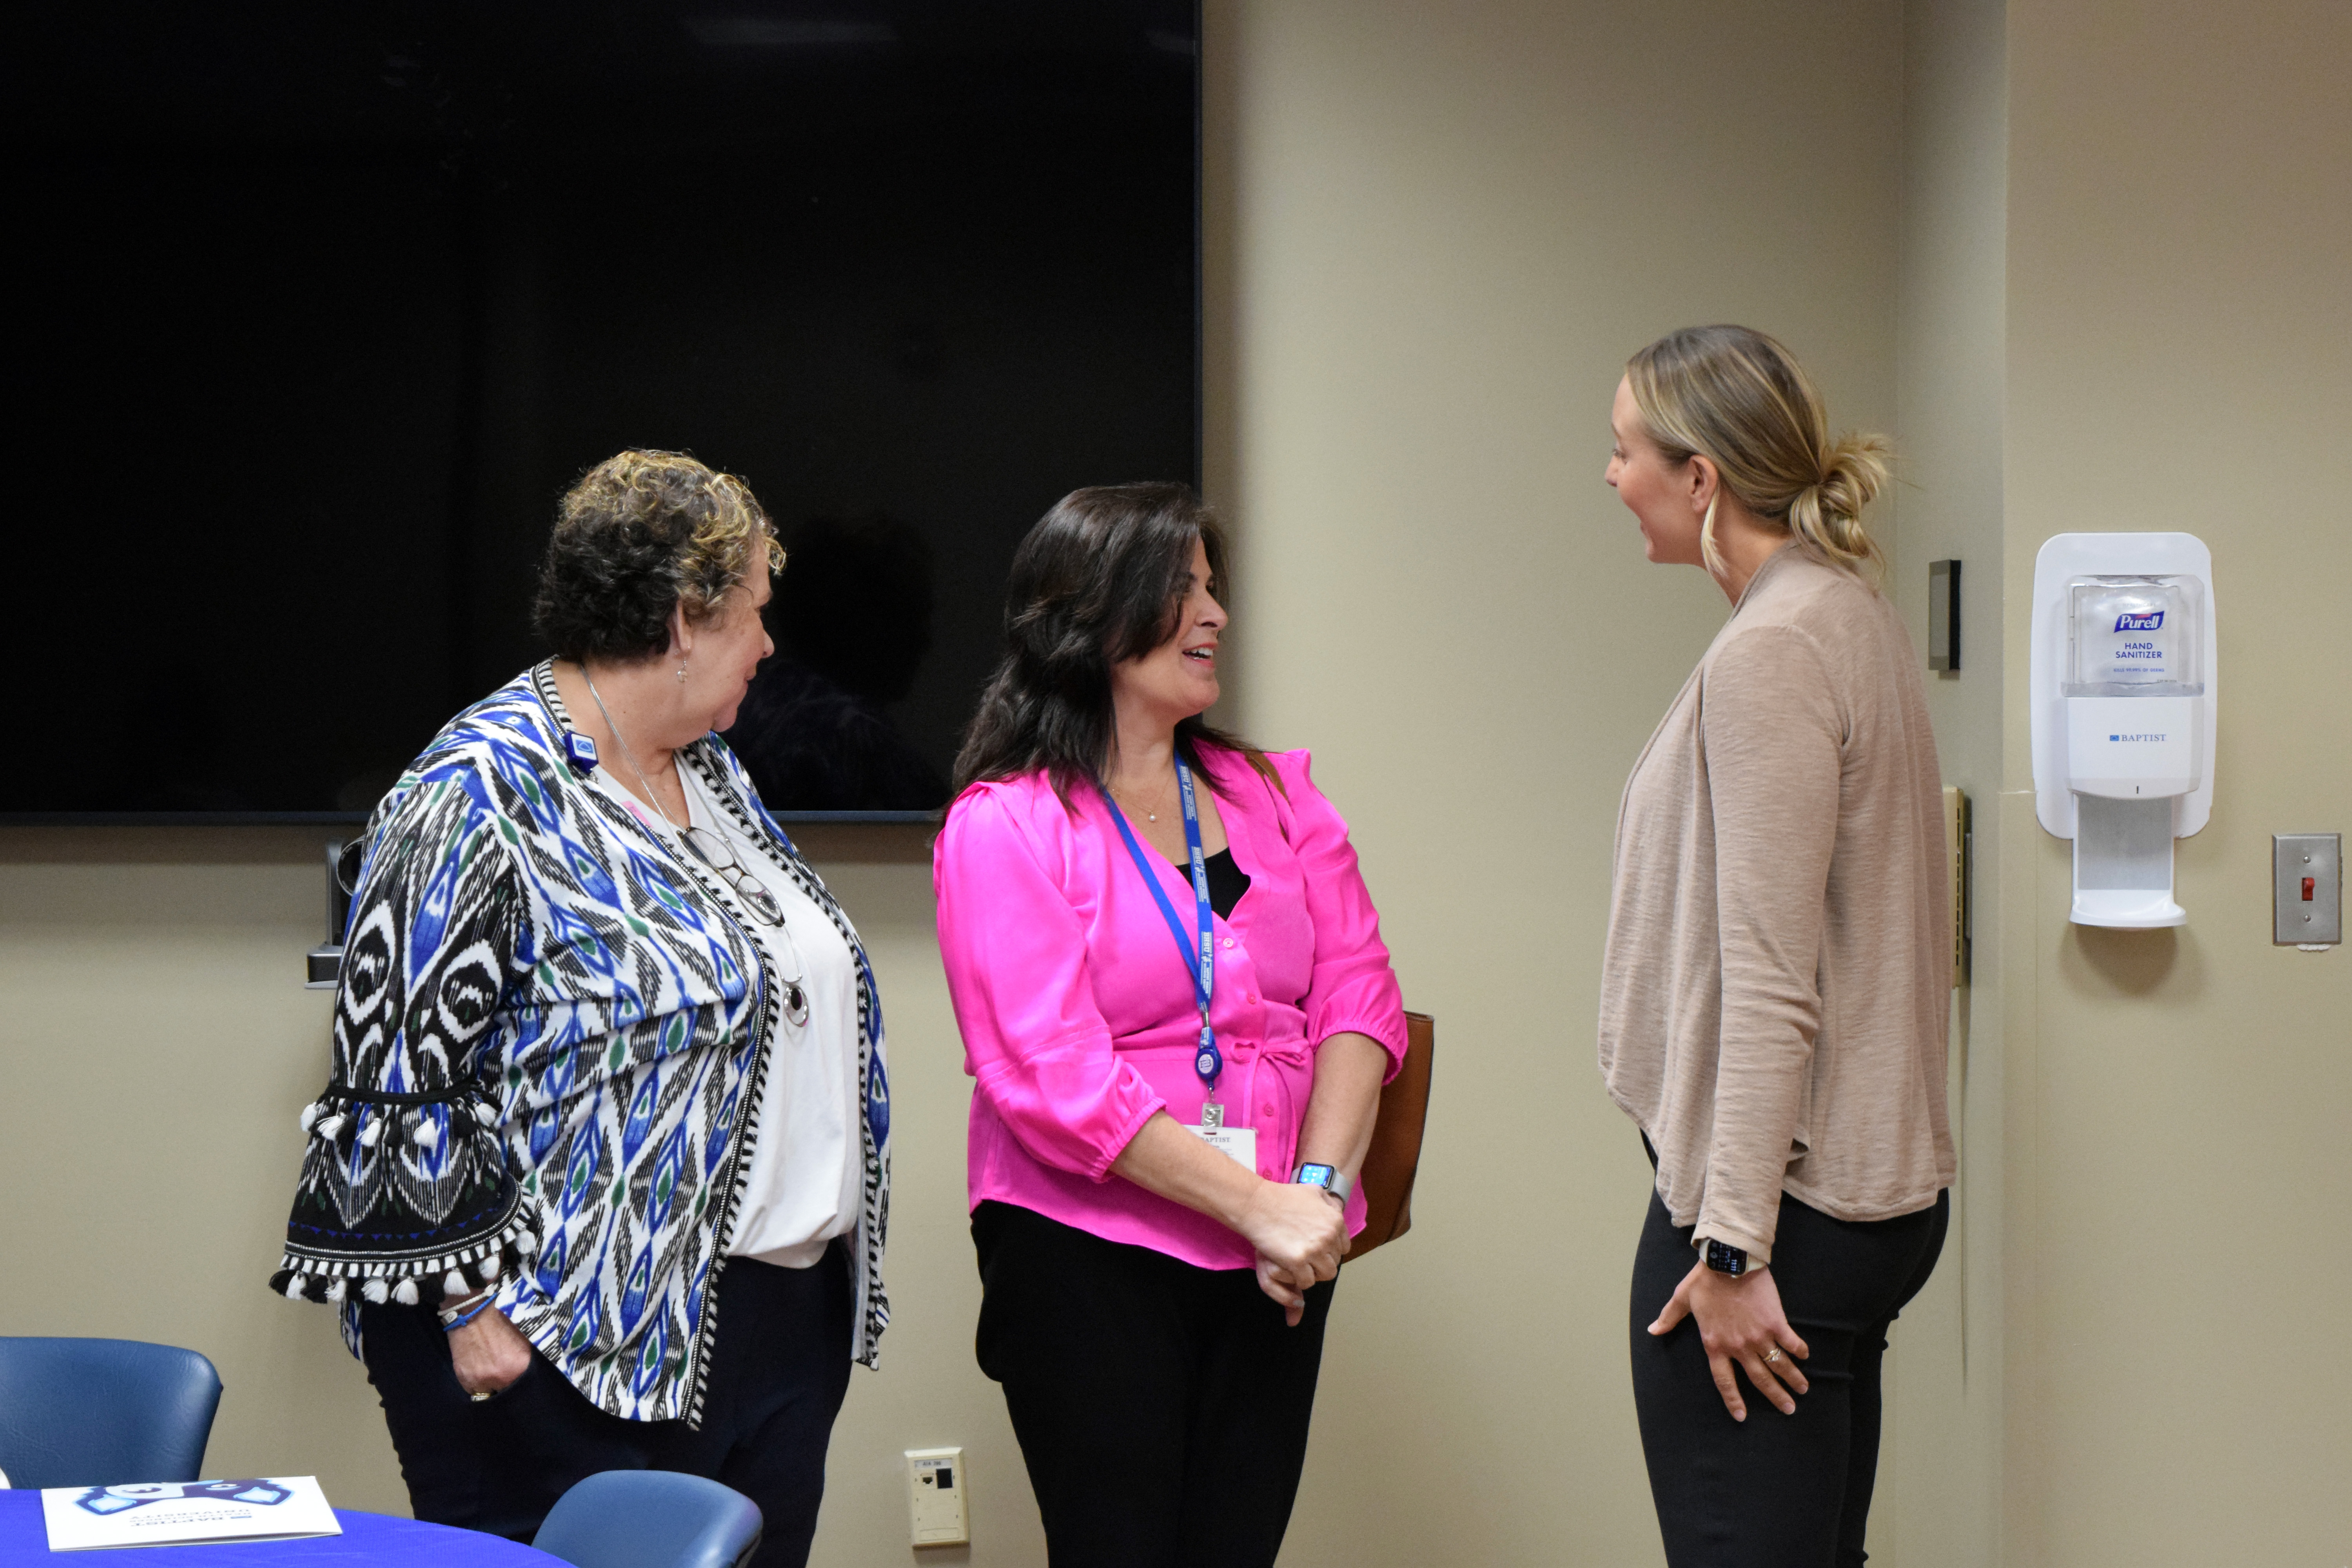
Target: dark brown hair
(1101,579)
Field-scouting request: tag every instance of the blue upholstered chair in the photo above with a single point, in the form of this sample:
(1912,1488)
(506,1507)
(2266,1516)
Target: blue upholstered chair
(98,1413)
(650,1519)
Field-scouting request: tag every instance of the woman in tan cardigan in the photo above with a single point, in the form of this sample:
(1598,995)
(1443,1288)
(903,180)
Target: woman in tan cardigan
(1778,971)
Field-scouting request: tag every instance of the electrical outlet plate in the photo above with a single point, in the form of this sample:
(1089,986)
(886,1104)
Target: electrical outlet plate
(935,1498)
(2312,918)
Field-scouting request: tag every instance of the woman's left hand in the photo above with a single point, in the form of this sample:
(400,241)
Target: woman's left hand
(1740,1319)
(487,1354)
(1277,1282)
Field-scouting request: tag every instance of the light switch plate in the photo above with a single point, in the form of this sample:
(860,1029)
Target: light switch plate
(935,1498)
(2310,916)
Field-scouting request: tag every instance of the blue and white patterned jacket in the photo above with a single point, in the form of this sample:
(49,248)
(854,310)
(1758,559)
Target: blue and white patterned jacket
(550,1038)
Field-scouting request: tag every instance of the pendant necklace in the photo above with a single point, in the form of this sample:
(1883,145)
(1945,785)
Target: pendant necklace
(760,901)
(1148,815)
(631,757)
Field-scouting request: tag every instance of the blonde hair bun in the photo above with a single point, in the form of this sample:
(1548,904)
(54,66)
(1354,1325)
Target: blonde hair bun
(1741,399)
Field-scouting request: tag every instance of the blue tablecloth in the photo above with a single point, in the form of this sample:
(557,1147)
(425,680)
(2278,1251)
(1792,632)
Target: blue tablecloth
(368,1538)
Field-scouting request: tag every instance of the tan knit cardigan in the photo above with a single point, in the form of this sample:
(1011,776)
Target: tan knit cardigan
(1778,981)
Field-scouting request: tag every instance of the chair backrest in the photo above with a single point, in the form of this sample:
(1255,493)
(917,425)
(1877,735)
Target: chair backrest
(650,1519)
(98,1413)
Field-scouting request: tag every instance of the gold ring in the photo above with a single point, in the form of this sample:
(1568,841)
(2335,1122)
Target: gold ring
(1772,1357)
(478,1395)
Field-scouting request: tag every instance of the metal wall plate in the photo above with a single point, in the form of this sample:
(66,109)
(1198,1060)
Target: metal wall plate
(2307,889)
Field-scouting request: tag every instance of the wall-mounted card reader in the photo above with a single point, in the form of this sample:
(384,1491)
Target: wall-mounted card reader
(1943,616)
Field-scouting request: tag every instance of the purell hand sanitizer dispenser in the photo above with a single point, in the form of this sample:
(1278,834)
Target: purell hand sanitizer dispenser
(2122,671)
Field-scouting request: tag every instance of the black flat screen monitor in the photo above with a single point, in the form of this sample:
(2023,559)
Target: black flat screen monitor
(321,307)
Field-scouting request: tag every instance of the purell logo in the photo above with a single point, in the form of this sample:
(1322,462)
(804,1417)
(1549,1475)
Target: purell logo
(2152,621)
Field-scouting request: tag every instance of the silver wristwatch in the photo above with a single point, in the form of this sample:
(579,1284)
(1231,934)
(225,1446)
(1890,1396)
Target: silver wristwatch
(1327,1178)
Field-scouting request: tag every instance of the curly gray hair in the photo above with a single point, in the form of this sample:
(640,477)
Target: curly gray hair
(642,533)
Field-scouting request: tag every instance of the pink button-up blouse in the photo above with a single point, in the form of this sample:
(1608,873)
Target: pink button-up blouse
(1077,1012)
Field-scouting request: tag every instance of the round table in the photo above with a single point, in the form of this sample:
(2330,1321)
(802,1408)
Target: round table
(368,1539)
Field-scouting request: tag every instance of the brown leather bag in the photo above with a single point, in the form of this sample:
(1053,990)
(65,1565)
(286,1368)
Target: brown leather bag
(1395,1155)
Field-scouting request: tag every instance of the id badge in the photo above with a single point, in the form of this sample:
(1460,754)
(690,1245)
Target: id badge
(1237,1143)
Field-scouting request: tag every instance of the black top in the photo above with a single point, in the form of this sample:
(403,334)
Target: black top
(1227,883)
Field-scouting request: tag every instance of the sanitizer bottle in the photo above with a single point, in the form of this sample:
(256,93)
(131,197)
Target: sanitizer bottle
(2133,637)
(2133,677)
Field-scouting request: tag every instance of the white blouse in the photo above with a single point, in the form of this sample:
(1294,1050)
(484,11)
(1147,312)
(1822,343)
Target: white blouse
(807,1177)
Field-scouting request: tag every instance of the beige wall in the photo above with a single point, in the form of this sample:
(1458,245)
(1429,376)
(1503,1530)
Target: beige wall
(929,1392)
(1939,1469)
(2179,356)
(2091,277)
(155,1048)
(1448,228)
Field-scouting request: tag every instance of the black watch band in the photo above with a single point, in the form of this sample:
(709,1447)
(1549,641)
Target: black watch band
(1725,1258)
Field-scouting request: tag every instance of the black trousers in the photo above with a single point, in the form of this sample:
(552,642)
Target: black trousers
(780,1366)
(1776,1492)
(1162,1408)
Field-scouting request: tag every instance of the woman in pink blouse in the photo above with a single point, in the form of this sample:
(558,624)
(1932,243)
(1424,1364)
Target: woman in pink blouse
(1164,1150)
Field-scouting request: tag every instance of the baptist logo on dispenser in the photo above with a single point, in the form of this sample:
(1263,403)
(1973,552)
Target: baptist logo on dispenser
(2153,621)
(2159,738)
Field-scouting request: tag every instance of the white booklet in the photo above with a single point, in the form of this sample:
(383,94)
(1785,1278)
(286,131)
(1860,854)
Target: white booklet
(172,1513)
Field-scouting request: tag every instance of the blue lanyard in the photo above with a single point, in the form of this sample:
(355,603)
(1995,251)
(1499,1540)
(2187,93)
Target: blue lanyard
(1209,1062)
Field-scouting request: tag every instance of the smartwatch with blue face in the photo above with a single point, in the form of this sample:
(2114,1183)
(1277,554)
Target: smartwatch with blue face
(1327,1178)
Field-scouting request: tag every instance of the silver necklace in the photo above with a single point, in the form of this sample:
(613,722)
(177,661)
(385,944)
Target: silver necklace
(760,901)
(629,756)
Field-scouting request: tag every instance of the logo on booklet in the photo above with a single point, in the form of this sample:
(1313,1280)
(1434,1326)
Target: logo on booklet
(114,1500)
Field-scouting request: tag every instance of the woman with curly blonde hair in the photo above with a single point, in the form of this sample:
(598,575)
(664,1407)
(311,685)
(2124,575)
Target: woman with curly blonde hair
(599,1176)
(1779,967)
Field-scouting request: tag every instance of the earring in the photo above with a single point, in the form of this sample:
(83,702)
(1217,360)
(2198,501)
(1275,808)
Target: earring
(681,675)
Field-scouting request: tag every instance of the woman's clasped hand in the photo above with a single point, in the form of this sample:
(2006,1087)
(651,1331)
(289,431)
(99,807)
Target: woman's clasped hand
(1300,1237)
(1298,1232)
